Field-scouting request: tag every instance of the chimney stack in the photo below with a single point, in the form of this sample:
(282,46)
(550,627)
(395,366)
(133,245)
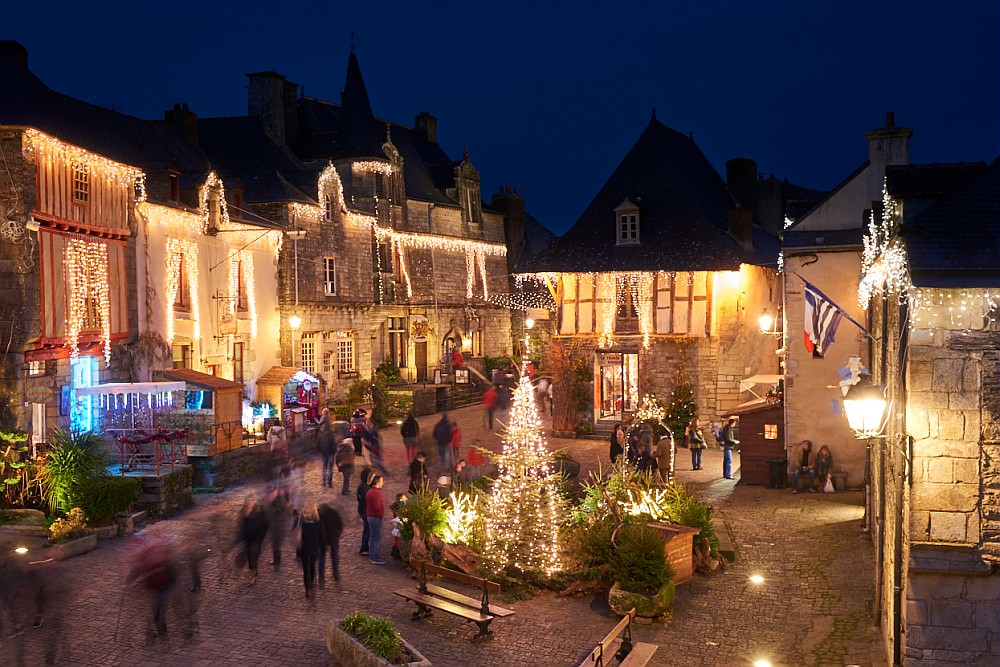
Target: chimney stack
(427,124)
(183,122)
(266,100)
(511,205)
(888,145)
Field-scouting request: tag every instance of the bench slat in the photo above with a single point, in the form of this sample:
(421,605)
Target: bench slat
(609,654)
(640,654)
(430,568)
(472,603)
(444,605)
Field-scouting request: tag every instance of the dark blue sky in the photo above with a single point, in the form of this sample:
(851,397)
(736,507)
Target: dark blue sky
(548,96)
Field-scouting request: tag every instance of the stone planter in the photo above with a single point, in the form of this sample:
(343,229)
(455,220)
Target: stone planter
(568,467)
(80,545)
(347,650)
(646,606)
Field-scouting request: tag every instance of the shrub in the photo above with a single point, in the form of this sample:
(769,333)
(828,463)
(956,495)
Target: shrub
(376,633)
(388,371)
(464,522)
(685,509)
(73,458)
(592,542)
(101,498)
(639,563)
(73,525)
(425,510)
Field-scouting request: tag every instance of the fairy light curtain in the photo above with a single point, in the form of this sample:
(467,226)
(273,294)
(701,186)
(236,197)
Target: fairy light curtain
(237,260)
(88,289)
(178,250)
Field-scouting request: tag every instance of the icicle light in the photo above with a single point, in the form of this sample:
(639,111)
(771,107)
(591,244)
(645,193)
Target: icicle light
(87,279)
(176,251)
(37,144)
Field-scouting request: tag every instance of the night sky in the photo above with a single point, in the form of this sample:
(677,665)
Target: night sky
(549,96)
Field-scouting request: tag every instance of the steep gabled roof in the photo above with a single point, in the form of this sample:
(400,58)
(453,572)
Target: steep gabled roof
(683,204)
(537,237)
(955,240)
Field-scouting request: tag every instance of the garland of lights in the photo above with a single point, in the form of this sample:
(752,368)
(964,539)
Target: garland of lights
(213,184)
(244,258)
(481,261)
(86,263)
(884,264)
(36,144)
(960,305)
(605,296)
(176,250)
(652,412)
(372,167)
(522,517)
(524,301)
(402,267)
(470,275)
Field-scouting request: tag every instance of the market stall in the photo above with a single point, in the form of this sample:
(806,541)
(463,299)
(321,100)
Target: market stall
(295,393)
(211,410)
(762,431)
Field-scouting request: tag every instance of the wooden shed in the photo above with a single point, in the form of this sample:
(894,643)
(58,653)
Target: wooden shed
(212,409)
(283,387)
(762,438)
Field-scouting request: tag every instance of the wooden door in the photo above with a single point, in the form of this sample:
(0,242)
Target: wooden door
(420,359)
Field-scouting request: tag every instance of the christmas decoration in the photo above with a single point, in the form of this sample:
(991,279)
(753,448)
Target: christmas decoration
(178,251)
(38,145)
(86,263)
(681,408)
(523,514)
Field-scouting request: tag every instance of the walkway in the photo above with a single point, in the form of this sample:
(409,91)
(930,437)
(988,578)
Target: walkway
(810,610)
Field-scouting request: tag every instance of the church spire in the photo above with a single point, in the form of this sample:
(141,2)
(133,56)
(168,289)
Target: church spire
(357,118)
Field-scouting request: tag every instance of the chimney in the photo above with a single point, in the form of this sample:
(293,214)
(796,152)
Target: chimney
(741,226)
(14,51)
(888,145)
(266,100)
(290,98)
(511,205)
(741,177)
(427,124)
(183,122)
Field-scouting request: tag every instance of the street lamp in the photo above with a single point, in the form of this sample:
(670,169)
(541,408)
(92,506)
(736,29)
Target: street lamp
(864,404)
(765,321)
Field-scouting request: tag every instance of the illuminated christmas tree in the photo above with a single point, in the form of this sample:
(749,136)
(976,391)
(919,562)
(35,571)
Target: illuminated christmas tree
(523,513)
(681,409)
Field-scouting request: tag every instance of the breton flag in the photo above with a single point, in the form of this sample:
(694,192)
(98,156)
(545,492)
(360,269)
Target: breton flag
(822,319)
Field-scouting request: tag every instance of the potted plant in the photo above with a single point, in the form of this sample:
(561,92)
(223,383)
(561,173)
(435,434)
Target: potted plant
(643,578)
(70,535)
(370,641)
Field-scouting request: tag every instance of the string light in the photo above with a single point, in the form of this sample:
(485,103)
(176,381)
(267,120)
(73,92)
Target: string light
(178,251)
(481,261)
(36,144)
(524,301)
(605,295)
(372,167)
(87,277)
(403,270)
(244,259)
(884,264)
(470,276)
(213,190)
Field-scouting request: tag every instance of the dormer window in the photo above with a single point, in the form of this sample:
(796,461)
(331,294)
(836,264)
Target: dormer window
(627,216)
(174,184)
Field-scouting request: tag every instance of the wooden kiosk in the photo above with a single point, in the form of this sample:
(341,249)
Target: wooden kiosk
(761,433)
(295,393)
(214,408)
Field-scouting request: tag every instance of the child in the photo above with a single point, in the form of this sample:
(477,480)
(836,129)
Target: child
(397,524)
(418,473)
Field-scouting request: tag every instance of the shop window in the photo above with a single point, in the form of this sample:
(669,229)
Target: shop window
(770,431)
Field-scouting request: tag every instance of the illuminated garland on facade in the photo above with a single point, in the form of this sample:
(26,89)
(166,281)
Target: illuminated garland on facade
(470,274)
(176,250)
(962,307)
(884,265)
(524,301)
(481,261)
(37,144)
(236,259)
(372,167)
(402,267)
(87,278)
(212,184)
(522,516)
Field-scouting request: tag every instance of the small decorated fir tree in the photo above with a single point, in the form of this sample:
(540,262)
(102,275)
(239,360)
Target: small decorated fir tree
(524,512)
(681,407)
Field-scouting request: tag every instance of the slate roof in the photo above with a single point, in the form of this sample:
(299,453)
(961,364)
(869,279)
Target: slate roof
(26,100)
(537,237)
(955,240)
(684,206)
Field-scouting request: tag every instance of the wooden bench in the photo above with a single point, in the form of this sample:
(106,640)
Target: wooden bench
(430,596)
(839,478)
(622,649)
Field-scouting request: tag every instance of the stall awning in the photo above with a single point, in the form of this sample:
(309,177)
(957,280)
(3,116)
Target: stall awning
(754,380)
(116,388)
(282,375)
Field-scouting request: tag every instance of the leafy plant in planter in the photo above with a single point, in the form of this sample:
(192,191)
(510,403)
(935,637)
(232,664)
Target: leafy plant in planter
(643,578)
(73,458)
(70,527)
(376,633)
(427,511)
(101,498)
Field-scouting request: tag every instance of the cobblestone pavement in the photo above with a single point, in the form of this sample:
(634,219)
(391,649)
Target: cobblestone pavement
(812,608)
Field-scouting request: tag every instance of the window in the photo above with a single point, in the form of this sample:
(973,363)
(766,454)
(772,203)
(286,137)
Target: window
(328,209)
(345,352)
(213,369)
(397,341)
(84,374)
(182,355)
(174,183)
(770,431)
(307,349)
(81,185)
(328,363)
(36,368)
(627,215)
(181,298)
(238,354)
(330,276)
(241,287)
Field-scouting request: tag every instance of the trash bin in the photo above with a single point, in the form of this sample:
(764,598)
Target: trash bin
(778,469)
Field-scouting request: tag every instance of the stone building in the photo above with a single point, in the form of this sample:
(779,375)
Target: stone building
(391,256)
(662,271)
(930,277)
(823,246)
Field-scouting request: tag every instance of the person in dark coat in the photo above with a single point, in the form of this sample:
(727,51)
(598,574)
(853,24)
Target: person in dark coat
(410,430)
(155,570)
(362,494)
(253,529)
(327,446)
(277,509)
(333,528)
(358,421)
(312,543)
(442,436)
(418,473)
(617,442)
(345,464)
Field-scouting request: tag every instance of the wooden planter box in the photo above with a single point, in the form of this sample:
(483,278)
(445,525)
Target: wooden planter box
(679,548)
(347,650)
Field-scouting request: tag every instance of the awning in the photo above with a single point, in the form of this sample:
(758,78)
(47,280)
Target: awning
(116,388)
(754,380)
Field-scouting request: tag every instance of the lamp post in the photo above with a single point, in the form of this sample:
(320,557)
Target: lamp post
(294,322)
(864,405)
(765,321)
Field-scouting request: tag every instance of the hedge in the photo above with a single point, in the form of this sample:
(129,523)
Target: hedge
(102,498)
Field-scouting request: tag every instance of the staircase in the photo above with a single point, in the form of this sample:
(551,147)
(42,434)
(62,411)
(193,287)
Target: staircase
(463,395)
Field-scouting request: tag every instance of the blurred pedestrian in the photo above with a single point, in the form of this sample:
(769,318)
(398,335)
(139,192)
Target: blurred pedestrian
(327,446)
(442,437)
(311,544)
(490,403)
(410,430)
(375,511)
(373,443)
(333,528)
(418,473)
(362,495)
(444,486)
(252,531)
(277,509)
(456,442)
(154,570)
(358,420)
(345,464)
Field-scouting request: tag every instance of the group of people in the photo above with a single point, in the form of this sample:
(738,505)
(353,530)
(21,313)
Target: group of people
(638,443)
(817,466)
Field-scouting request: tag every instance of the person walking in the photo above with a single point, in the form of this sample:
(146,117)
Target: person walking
(442,436)
(729,443)
(456,442)
(362,495)
(490,403)
(311,544)
(375,511)
(358,420)
(154,569)
(253,530)
(277,517)
(617,442)
(326,443)
(696,441)
(345,464)
(333,528)
(410,430)
(373,443)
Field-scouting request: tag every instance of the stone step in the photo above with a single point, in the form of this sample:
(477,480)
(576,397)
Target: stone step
(727,546)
